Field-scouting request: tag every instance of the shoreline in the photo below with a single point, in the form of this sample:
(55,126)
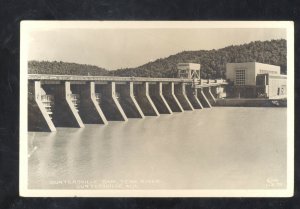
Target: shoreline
(246,102)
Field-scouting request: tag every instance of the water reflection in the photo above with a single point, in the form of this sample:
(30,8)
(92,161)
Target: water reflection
(218,148)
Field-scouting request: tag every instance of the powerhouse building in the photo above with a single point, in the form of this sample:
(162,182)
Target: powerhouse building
(253,79)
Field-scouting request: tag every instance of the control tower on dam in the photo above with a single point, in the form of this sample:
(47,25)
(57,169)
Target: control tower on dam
(73,101)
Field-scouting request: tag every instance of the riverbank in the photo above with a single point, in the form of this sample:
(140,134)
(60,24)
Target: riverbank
(256,102)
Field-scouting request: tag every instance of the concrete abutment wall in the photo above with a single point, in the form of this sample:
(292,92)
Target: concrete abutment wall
(38,118)
(180,93)
(128,102)
(73,103)
(169,94)
(88,107)
(202,98)
(109,102)
(155,91)
(65,114)
(192,96)
(209,95)
(141,92)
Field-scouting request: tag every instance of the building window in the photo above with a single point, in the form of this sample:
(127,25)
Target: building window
(240,77)
(267,72)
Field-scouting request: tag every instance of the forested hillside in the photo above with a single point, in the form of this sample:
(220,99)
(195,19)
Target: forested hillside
(64,68)
(213,62)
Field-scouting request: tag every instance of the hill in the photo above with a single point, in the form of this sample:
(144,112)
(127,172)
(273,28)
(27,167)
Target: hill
(64,68)
(213,62)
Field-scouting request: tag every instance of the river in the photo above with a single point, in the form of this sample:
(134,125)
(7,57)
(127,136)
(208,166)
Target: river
(217,148)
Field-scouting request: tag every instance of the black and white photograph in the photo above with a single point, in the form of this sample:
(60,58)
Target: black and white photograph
(157,108)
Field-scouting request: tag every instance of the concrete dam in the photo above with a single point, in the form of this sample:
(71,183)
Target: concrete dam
(72,101)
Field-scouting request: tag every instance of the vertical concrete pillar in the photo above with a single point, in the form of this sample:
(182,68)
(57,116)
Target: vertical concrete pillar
(212,95)
(158,99)
(204,101)
(38,118)
(180,93)
(169,94)
(110,104)
(141,92)
(65,113)
(128,102)
(89,109)
(209,95)
(192,96)
(213,90)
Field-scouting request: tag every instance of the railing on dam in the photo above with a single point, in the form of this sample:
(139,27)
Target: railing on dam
(210,82)
(98,97)
(204,82)
(48,102)
(103,78)
(47,98)
(75,98)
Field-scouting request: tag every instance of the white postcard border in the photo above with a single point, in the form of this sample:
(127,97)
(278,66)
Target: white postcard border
(27,26)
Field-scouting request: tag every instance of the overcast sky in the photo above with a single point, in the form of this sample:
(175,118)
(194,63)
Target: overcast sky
(121,48)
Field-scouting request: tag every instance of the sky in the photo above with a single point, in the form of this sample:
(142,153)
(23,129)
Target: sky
(121,48)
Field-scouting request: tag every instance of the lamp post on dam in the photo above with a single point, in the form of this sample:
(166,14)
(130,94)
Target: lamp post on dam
(72,101)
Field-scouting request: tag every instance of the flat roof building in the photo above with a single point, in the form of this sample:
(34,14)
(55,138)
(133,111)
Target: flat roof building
(189,70)
(253,79)
(245,73)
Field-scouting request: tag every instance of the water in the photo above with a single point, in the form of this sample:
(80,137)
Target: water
(218,148)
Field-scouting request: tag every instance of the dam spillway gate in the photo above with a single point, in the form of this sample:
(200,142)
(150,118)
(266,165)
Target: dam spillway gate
(72,101)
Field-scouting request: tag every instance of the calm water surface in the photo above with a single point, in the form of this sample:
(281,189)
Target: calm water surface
(218,148)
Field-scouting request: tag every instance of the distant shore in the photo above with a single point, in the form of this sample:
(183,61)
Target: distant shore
(251,102)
